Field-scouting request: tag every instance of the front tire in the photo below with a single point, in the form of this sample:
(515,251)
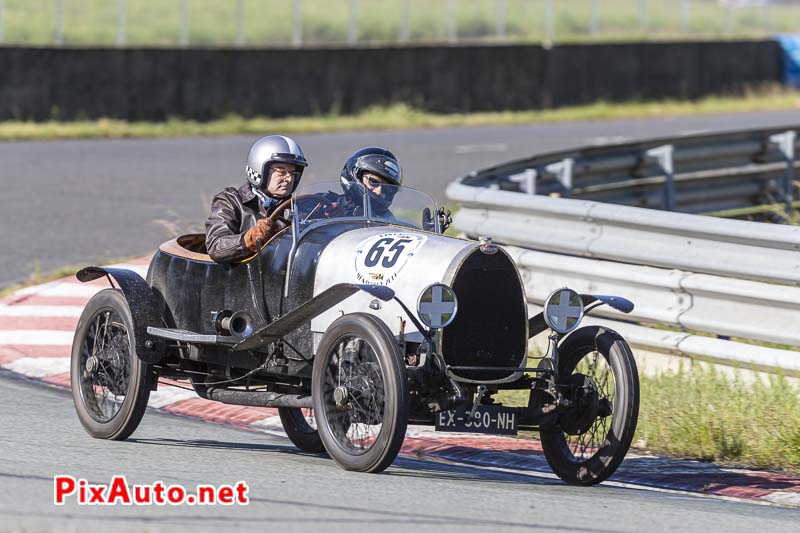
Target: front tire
(110,384)
(586,452)
(360,393)
(297,423)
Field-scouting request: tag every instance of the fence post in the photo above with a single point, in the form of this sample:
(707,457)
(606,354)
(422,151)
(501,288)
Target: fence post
(120,22)
(785,143)
(729,18)
(500,29)
(297,23)
(240,39)
(663,156)
(644,16)
(549,22)
(352,24)
(452,25)
(405,32)
(184,23)
(594,24)
(684,16)
(59,22)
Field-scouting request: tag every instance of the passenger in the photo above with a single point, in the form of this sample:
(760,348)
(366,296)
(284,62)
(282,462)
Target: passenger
(238,223)
(379,171)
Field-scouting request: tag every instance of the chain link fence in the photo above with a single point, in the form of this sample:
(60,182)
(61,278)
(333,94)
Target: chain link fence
(267,23)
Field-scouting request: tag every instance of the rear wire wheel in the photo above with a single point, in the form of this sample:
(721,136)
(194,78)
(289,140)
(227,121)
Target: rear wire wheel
(301,428)
(587,446)
(110,384)
(360,393)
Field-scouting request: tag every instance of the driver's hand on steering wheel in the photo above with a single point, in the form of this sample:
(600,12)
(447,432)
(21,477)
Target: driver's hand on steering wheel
(258,234)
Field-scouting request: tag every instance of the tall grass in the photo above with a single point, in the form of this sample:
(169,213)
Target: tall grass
(396,116)
(704,414)
(269,22)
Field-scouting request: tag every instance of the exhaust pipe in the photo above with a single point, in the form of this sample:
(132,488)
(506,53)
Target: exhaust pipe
(255,398)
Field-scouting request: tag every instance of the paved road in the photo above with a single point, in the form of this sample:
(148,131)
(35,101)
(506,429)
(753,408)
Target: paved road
(79,202)
(40,437)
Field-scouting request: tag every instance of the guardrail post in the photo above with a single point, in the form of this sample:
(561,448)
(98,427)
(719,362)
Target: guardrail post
(663,156)
(530,180)
(563,173)
(785,143)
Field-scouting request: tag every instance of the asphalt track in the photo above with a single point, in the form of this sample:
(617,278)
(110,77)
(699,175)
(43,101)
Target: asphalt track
(292,491)
(84,201)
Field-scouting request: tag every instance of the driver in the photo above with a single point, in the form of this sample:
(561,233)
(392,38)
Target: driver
(239,221)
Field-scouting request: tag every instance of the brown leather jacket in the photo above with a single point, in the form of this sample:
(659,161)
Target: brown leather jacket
(233,212)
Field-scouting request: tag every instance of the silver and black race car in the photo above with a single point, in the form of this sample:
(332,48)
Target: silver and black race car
(358,319)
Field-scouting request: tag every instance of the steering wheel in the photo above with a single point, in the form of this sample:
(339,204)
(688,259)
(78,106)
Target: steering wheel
(278,213)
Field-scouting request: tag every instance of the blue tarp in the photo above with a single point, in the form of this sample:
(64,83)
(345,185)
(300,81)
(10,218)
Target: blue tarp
(791,59)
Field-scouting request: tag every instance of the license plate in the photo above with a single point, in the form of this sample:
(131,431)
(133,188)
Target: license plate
(491,419)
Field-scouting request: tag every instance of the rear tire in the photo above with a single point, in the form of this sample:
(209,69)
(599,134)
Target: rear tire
(360,393)
(591,456)
(110,384)
(299,430)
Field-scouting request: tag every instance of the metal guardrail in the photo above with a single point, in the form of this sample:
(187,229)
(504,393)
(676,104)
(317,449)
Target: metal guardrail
(744,169)
(729,278)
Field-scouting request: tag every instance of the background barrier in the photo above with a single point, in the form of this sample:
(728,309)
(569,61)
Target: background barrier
(698,276)
(203,84)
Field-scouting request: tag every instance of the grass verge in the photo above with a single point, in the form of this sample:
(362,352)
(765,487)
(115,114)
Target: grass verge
(706,415)
(702,414)
(396,116)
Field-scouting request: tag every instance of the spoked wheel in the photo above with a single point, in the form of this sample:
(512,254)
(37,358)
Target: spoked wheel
(110,384)
(360,393)
(587,445)
(301,428)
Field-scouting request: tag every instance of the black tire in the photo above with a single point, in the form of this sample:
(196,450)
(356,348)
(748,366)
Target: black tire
(372,388)
(110,392)
(299,430)
(591,456)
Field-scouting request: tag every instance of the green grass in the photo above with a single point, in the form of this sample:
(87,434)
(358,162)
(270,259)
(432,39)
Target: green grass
(397,116)
(324,22)
(702,414)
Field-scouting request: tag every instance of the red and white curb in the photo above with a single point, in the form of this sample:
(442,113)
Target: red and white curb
(37,325)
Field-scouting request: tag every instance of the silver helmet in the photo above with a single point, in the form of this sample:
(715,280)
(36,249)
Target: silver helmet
(273,149)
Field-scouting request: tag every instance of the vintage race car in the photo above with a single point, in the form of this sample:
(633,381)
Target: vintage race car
(356,320)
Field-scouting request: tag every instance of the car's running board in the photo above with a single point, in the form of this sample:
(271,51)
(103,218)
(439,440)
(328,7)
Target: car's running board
(310,309)
(191,337)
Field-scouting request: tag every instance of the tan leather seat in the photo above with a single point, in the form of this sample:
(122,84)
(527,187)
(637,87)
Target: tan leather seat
(191,246)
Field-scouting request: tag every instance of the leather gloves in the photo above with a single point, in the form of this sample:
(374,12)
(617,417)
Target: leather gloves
(258,233)
(445,218)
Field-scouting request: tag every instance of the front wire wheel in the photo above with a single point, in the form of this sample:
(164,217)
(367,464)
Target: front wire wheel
(586,446)
(110,384)
(360,393)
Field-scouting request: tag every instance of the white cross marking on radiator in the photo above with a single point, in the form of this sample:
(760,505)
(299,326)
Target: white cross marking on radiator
(562,312)
(436,307)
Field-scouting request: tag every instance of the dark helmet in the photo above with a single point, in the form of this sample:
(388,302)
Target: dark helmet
(273,149)
(375,160)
